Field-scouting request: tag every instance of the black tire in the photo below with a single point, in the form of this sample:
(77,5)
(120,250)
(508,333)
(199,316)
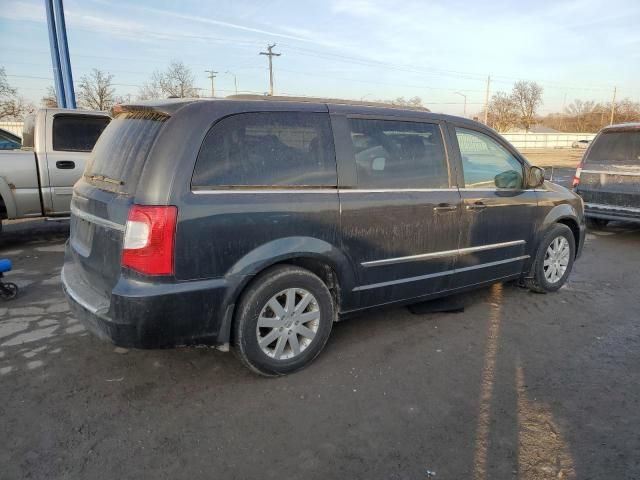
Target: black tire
(8,291)
(537,282)
(596,223)
(267,285)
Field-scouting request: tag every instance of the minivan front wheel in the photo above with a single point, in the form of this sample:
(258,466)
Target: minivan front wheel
(283,321)
(554,260)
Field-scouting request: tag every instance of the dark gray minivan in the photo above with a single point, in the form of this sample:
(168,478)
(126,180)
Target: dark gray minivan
(259,222)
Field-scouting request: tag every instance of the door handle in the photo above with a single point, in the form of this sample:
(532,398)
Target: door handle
(65,165)
(476,206)
(444,207)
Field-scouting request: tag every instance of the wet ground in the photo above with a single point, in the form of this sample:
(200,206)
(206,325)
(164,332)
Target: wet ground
(518,386)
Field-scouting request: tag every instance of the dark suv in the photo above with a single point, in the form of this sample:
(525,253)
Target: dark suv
(608,178)
(258,223)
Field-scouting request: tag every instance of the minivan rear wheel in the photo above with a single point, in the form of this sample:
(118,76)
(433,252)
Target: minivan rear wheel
(283,320)
(554,260)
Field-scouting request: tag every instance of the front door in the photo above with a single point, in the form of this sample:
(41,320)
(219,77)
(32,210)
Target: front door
(400,214)
(498,212)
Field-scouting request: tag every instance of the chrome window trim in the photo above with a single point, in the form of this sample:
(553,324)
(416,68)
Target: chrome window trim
(203,191)
(103,222)
(600,206)
(608,172)
(227,191)
(441,254)
(317,190)
(438,274)
(396,190)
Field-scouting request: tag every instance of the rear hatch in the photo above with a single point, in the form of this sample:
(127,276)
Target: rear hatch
(611,169)
(101,201)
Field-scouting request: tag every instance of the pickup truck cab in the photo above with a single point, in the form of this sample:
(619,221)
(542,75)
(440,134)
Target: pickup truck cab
(37,179)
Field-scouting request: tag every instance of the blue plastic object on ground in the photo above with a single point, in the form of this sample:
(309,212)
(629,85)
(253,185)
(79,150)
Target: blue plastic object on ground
(5,265)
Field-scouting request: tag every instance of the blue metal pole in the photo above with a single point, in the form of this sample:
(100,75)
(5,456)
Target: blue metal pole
(65,61)
(55,55)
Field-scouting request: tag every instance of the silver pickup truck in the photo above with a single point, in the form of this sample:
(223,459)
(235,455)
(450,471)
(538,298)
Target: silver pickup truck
(37,180)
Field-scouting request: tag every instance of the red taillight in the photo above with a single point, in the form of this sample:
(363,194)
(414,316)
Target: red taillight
(576,176)
(149,239)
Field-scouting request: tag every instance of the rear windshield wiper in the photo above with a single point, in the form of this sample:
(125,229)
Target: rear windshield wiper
(103,178)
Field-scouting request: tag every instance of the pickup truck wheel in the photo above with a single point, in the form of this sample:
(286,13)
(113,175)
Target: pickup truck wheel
(283,321)
(553,261)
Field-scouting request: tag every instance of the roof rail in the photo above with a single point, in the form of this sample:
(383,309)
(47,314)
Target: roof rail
(336,101)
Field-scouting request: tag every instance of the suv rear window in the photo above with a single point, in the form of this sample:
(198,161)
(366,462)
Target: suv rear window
(121,151)
(267,149)
(77,133)
(616,147)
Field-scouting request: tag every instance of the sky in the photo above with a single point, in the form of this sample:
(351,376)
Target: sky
(439,50)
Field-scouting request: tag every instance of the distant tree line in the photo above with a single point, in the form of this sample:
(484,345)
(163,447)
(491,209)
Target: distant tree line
(506,111)
(591,116)
(519,109)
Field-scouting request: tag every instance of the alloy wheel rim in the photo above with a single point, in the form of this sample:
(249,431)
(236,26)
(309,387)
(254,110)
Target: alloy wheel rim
(288,323)
(556,259)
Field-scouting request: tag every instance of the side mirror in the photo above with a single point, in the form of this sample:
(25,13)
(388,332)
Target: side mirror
(536,177)
(509,179)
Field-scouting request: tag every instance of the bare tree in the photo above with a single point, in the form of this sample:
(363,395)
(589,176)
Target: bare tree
(12,106)
(176,81)
(409,102)
(626,111)
(580,113)
(503,112)
(49,100)
(414,102)
(528,97)
(96,90)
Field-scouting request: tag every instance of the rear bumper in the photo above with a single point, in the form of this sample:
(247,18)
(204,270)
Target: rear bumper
(612,212)
(145,315)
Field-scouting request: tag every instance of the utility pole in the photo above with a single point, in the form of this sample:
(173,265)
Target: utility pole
(613,106)
(464,109)
(235,80)
(269,53)
(486,102)
(211,75)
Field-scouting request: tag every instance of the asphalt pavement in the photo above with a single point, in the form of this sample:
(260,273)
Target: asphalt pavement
(519,385)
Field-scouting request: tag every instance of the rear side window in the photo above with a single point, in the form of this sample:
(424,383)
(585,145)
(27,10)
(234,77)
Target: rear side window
(119,155)
(267,149)
(76,133)
(616,147)
(395,154)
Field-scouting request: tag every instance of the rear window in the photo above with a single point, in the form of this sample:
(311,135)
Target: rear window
(616,148)
(77,133)
(267,149)
(28,130)
(120,153)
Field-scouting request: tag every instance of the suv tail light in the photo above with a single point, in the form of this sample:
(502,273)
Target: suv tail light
(576,176)
(149,239)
